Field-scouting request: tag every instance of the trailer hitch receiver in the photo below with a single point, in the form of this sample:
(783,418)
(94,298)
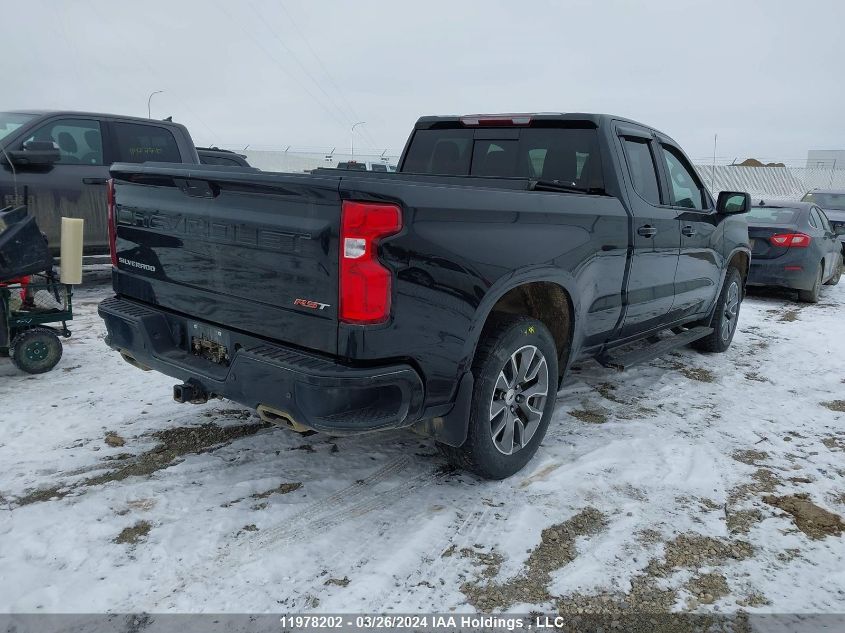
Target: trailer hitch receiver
(189,392)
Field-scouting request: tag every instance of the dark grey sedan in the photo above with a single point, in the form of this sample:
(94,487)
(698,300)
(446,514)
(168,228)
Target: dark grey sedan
(793,246)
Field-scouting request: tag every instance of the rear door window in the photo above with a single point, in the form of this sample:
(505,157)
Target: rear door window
(80,141)
(138,143)
(642,169)
(820,219)
(825,221)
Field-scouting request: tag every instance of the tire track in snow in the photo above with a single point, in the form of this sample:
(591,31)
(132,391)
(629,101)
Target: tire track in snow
(326,518)
(318,516)
(320,509)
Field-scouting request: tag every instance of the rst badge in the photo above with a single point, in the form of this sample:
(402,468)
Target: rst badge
(307,303)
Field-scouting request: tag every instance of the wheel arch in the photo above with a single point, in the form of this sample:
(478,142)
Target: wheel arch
(740,259)
(548,299)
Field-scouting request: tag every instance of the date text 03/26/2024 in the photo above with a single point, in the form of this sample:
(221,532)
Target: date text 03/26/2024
(436,622)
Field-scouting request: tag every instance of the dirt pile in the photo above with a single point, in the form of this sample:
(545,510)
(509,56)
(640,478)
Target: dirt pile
(815,522)
(172,444)
(556,549)
(134,534)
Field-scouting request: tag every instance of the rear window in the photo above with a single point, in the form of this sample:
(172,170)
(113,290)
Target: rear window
(773,215)
(834,201)
(569,156)
(138,143)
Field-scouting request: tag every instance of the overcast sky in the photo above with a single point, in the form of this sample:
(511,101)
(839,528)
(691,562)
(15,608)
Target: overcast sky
(767,77)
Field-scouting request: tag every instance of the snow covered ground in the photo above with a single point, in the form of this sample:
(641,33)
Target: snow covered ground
(705,483)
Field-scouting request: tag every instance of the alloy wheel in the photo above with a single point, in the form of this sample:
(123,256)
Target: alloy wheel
(731,313)
(519,399)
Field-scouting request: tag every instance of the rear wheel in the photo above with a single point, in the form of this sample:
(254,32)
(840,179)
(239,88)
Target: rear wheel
(812,295)
(725,316)
(515,372)
(36,351)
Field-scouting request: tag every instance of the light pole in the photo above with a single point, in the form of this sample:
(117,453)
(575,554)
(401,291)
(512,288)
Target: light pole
(353,136)
(150,98)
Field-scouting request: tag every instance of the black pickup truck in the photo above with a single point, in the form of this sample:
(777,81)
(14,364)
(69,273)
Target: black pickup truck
(450,296)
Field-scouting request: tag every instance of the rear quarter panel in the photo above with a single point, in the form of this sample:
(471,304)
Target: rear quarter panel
(462,248)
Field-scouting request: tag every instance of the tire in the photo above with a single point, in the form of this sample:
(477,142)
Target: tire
(812,295)
(836,276)
(36,351)
(725,316)
(511,347)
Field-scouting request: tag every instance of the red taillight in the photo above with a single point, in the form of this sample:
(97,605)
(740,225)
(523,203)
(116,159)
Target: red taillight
(112,222)
(364,293)
(496,120)
(794,240)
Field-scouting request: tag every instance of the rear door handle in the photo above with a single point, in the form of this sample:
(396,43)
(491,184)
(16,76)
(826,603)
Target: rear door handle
(647,231)
(688,230)
(95,181)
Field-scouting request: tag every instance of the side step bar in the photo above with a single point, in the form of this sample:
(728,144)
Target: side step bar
(623,360)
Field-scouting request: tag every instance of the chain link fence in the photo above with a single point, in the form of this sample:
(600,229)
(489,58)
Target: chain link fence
(768,183)
(298,161)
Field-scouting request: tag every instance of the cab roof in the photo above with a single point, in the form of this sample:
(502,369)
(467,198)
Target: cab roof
(101,115)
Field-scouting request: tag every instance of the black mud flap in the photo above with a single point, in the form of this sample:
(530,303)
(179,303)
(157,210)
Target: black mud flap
(451,429)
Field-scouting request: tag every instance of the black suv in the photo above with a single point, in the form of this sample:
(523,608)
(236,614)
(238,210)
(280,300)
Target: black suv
(57,162)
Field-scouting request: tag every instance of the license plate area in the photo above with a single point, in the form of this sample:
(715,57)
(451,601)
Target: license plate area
(209,342)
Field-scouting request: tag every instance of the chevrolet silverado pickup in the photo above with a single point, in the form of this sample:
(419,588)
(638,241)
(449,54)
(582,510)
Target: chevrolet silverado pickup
(450,297)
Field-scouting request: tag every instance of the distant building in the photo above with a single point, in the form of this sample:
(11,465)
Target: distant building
(826,159)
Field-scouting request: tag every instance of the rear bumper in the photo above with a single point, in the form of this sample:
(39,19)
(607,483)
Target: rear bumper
(312,390)
(774,273)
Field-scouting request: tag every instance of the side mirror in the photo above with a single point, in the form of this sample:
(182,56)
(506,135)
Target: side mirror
(733,202)
(35,153)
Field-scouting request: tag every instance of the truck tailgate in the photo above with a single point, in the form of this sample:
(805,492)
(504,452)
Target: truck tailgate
(250,251)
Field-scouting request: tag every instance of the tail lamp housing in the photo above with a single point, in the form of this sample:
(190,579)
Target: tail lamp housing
(365,285)
(112,222)
(791,240)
